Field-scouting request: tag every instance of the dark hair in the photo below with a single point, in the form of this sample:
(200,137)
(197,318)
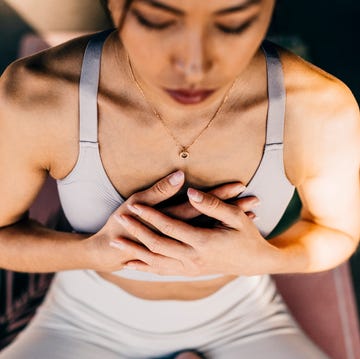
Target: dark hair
(120,23)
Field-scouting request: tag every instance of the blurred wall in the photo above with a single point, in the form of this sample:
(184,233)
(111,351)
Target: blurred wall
(329,28)
(52,15)
(18,17)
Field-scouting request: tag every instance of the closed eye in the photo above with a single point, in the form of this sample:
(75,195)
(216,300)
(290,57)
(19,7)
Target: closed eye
(149,24)
(164,25)
(235,30)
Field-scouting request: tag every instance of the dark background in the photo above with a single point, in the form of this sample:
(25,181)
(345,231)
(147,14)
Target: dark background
(329,28)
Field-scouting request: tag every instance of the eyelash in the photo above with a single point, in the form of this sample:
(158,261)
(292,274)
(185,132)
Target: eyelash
(148,24)
(237,30)
(164,26)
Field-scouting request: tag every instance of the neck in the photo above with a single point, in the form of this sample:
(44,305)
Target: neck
(175,115)
(182,115)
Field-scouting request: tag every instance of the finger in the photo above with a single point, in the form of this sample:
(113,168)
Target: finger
(162,266)
(161,190)
(210,205)
(228,190)
(181,211)
(247,203)
(138,265)
(154,242)
(171,227)
(187,211)
(251,215)
(144,260)
(134,250)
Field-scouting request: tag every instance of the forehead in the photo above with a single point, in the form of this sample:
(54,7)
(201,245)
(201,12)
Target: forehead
(209,6)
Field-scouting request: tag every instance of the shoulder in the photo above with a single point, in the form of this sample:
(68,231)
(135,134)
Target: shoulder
(322,116)
(314,87)
(26,82)
(36,90)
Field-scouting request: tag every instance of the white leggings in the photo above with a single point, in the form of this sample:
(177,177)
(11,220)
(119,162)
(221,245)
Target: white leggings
(86,317)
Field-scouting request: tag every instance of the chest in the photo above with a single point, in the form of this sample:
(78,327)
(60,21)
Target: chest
(135,155)
(133,152)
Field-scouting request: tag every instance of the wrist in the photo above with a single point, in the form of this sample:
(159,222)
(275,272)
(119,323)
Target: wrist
(88,260)
(288,259)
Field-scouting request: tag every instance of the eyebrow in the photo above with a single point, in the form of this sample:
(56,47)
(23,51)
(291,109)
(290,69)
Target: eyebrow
(175,11)
(241,7)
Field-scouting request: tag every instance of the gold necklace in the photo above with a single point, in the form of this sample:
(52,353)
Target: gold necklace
(184,152)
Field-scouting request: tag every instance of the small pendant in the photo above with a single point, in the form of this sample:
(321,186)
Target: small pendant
(184,154)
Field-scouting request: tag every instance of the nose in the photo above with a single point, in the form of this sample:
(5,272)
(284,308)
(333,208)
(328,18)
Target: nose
(192,59)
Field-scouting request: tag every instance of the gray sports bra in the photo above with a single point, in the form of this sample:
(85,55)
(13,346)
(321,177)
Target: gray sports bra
(88,197)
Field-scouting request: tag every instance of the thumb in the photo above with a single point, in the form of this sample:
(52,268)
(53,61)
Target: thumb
(161,190)
(214,207)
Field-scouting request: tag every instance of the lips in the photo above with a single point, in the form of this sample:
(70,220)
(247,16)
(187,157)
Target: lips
(188,97)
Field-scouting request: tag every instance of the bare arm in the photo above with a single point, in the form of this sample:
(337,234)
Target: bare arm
(26,245)
(325,236)
(30,247)
(328,231)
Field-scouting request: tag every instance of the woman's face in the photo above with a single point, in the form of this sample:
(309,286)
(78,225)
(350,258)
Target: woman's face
(191,44)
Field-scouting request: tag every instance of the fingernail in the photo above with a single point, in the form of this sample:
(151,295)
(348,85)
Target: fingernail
(176,178)
(129,266)
(195,195)
(117,245)
(240,188)
(121,219)
(134,209)
(255,219)
(255,203)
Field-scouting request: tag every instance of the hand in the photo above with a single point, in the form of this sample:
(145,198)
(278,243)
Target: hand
(235,246)
(187,212)
(102,247)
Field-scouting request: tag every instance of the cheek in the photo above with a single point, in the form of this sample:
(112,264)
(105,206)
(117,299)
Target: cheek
(146,52)
(234,54)
(241,48)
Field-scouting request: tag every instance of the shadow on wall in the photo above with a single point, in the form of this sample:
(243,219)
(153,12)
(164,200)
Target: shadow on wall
(328,28)
(18,18)
(12,29)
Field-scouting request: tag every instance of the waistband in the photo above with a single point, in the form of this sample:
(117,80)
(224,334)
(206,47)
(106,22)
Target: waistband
(85,292)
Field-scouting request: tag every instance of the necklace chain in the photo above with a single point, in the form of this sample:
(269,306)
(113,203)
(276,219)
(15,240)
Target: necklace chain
(184,153)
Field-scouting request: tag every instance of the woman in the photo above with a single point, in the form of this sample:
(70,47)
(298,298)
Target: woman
(150,271)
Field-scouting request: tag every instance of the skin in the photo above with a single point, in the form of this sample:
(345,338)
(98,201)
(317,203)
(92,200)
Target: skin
(191,53)
(321,144)
(38,102)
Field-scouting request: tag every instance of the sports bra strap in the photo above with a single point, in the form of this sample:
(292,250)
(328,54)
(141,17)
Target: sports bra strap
(276,95)
(89,80)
